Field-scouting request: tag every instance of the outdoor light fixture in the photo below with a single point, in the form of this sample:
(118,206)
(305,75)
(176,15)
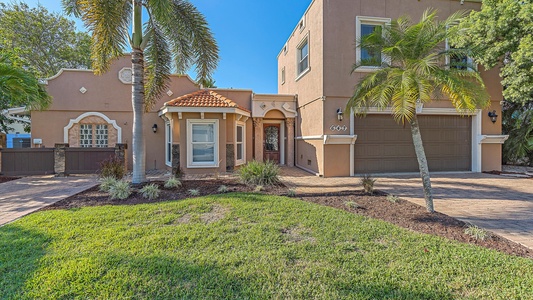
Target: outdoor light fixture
(493,116)
(340,114)
(154,128)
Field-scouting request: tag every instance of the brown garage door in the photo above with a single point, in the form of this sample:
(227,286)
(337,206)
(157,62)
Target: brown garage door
(383,146)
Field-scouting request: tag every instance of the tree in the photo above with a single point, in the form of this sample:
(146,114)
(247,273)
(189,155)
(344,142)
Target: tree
(415,72)
(176,35)
(501,32)
(517,122)
(18,87)
(46,42)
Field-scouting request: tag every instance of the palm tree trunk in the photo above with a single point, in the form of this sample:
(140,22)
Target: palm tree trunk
(137,97)
(422,163)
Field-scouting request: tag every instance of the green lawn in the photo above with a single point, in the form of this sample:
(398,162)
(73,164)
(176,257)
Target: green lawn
(243,246)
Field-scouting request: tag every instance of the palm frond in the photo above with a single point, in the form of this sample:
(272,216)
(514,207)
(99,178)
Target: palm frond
(159,66)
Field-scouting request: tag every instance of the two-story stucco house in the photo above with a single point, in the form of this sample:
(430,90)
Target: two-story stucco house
(215,130)
(316,63)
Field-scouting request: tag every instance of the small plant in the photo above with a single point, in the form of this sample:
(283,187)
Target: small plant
(258,188)
(368,184)
(106,183)
(194,192)
(172,183)
(112,167)
(178,172)
(291,193)
(259,173)
(352,204)
(150,191)
(120,190)
(393,199)
(476,232)
(223,189)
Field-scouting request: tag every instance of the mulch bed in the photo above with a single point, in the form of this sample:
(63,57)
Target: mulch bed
(7,178)
(402,213)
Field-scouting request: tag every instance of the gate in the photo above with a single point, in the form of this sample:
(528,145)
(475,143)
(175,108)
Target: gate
(86,160)
(27,161)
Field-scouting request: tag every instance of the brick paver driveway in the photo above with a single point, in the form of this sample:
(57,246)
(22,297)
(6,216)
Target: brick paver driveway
(23,196)
(500,204)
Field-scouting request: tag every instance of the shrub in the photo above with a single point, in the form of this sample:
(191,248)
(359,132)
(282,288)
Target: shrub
(393,199)
(291,193)
(106,183)
(223,189)
(112,167)
(259,173)
(121,189)
(476,232)
(352,204)
(194,192)
(368,184)
(172,183)
(150,191)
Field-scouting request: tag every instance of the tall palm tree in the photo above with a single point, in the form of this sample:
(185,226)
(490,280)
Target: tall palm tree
(19,87)
(416,70)
(176,36)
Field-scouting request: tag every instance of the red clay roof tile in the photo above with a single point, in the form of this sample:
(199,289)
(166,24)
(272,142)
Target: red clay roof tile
(203,98)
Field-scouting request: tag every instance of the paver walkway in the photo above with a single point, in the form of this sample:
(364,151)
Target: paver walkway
(503,205)
(26,195)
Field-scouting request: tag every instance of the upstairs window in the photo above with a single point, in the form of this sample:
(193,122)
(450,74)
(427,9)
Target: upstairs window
(460,62)
(303,56)
(369,59)
(283,75)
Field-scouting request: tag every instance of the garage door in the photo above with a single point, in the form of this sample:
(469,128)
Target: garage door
(383,146)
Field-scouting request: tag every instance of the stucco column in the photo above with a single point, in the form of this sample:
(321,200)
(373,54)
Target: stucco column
(290,141)
(258,134)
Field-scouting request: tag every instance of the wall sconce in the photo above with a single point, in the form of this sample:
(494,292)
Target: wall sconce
(340,114)
(154,128)
(493,116)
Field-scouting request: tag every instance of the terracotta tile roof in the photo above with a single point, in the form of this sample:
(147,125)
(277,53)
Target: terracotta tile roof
(204,98)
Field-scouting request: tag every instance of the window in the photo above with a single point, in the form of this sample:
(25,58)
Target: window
(240,152)
(93,135)
(283,75)
(303,57)
(202,143)
(460,62)
(369,59)
(168,142)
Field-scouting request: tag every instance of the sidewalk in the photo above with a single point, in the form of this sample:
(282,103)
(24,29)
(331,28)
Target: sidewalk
(26,195)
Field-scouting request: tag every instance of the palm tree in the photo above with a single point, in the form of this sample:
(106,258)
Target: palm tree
(416,70)
(176,36)
(19,87)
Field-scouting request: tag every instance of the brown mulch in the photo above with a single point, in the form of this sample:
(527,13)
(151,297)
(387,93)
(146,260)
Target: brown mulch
(402,213)
(7,178)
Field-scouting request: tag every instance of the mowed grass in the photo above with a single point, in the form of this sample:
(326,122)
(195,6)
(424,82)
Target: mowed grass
(243,246)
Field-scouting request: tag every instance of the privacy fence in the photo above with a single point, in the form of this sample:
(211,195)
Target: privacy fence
(60,160)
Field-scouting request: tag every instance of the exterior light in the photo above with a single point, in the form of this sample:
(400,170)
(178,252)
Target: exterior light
(340,114)
(154,128)
(493,116)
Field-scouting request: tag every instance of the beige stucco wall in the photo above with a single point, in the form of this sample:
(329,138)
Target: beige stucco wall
(309,154)
(336,160)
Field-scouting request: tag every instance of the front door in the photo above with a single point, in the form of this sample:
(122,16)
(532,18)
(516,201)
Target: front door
(271,142)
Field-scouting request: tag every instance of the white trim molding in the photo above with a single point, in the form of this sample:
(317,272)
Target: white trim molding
(88,114)
(359,20)
(242,124)
(337,139)
(203,110)
(492,139)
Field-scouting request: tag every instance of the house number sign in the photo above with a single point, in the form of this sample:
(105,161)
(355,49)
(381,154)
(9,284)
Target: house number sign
(338,128)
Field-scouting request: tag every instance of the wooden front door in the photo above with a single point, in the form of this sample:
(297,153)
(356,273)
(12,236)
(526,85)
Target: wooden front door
(271,142)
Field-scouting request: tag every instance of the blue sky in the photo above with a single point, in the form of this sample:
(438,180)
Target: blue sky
(249,33)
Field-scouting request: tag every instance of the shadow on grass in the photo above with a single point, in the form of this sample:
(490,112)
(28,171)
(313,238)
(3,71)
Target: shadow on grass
(20,252)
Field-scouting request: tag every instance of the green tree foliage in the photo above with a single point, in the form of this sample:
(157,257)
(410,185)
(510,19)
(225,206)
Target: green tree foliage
(175,36)
(502,34)
(18,87)
(46,42)
(517,122)
(415,72)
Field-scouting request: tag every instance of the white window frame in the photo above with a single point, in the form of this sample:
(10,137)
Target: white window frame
(360,20)
(190,162)
(239,162)
(469,59)
(168,143)
(299,59)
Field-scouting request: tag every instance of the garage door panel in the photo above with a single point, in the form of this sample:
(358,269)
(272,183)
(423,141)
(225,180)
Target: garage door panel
(383,146)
